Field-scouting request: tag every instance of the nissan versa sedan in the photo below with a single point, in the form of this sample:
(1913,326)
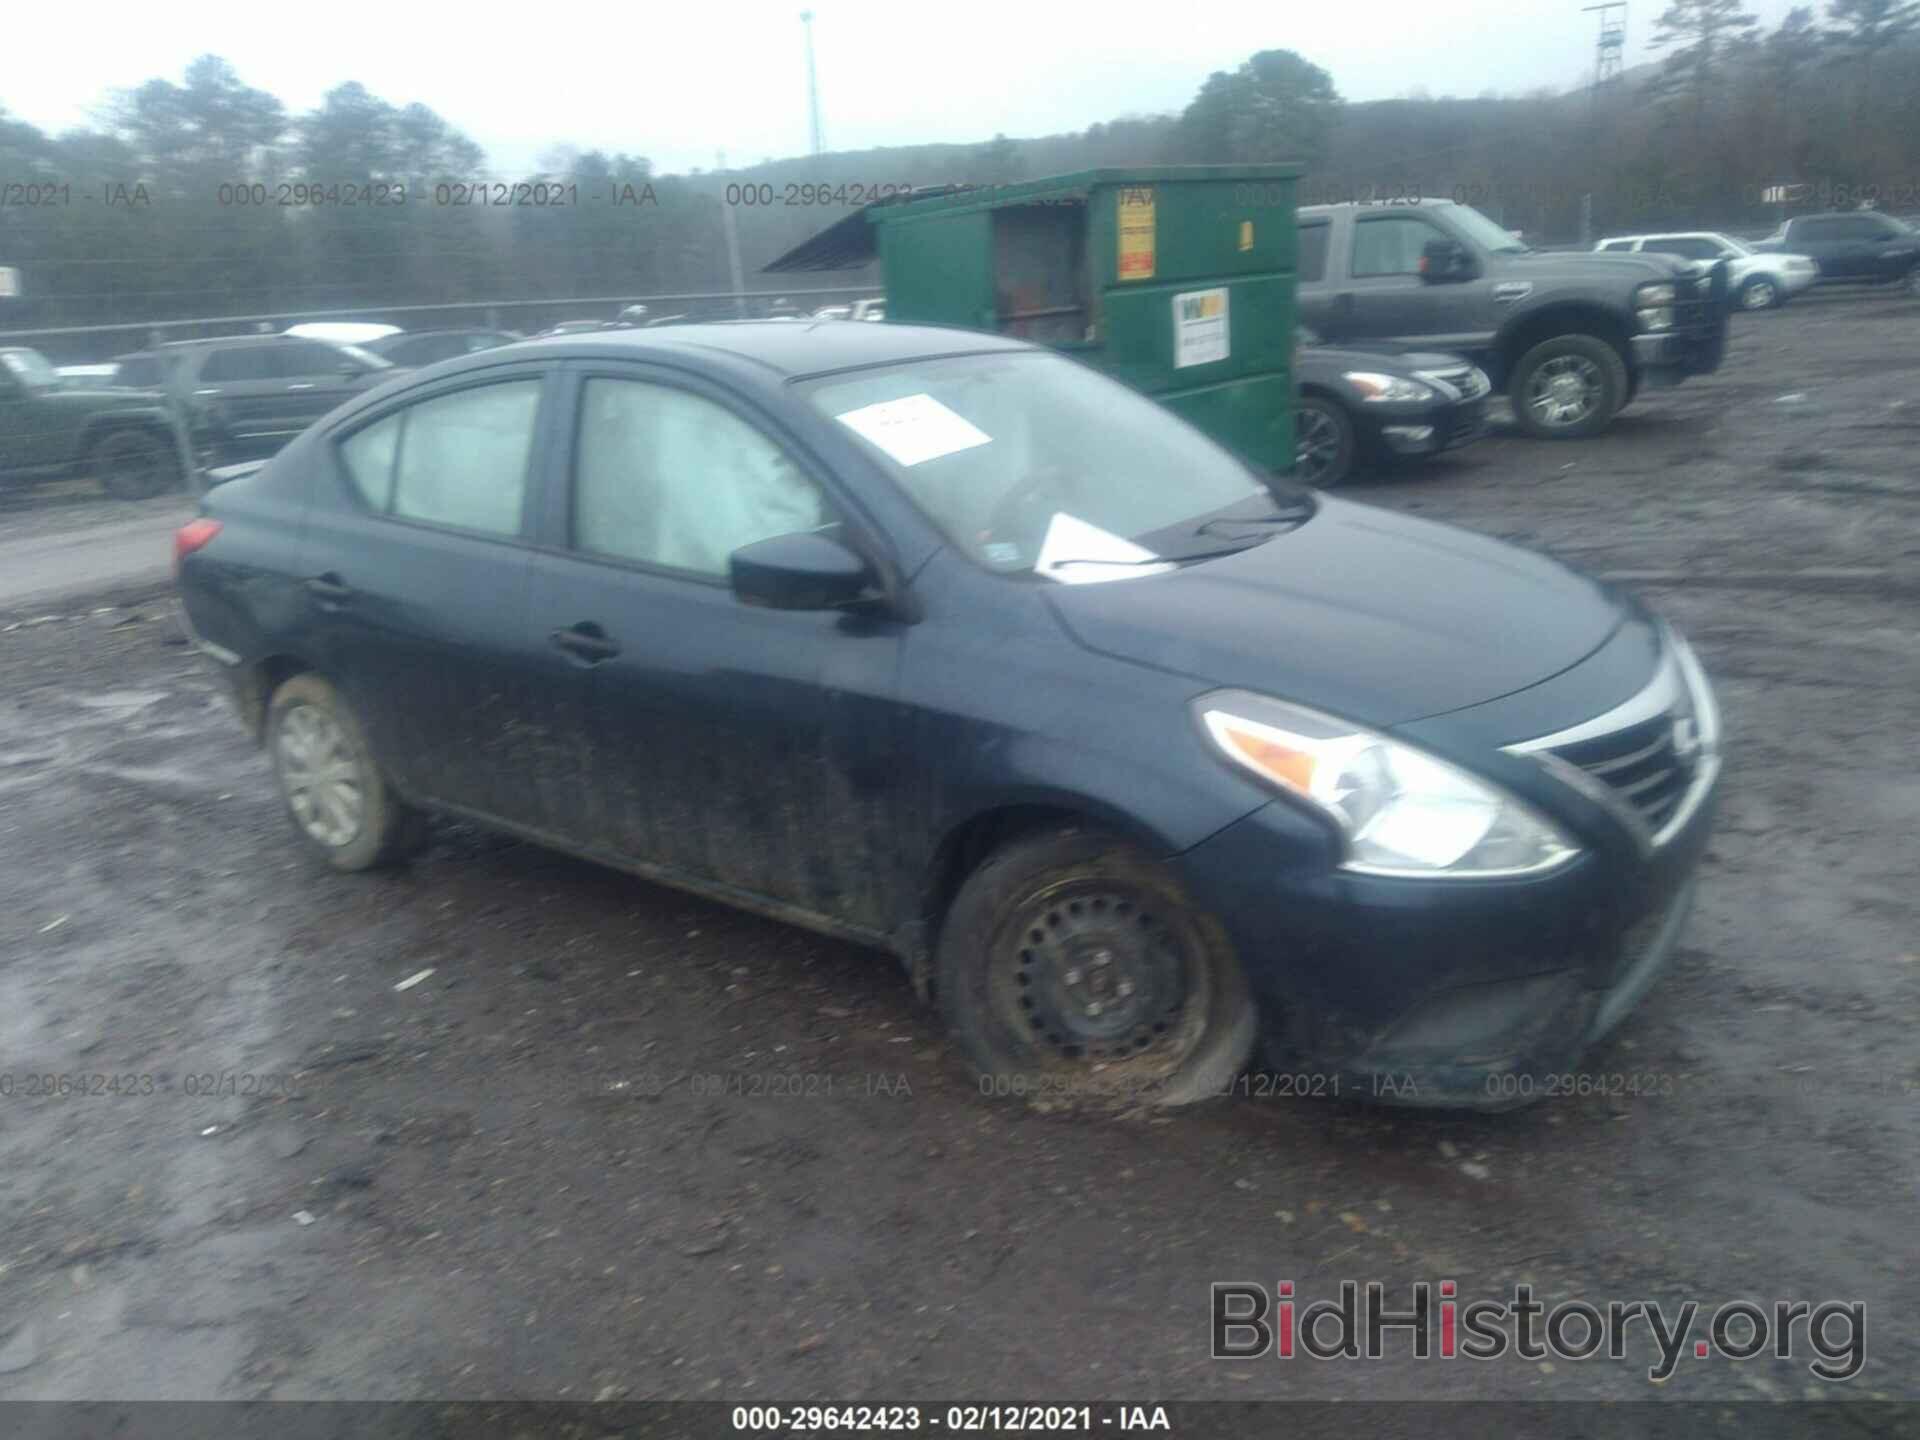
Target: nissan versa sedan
(952,646)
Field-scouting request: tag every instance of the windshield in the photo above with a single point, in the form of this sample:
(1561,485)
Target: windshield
(1484,233)
(1738,247)
(31,367)
(1015,455)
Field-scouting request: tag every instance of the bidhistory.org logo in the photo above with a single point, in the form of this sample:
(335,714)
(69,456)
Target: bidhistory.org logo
(1248,1324)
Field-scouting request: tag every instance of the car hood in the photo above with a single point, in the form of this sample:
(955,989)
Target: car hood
(1366,614)
(1385,358)
(1600,265)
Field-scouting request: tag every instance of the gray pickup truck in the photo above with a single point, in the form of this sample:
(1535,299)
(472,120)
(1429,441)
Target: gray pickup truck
(1571,337)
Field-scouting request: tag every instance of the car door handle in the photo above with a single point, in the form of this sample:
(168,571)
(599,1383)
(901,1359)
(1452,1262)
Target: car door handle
(329,589)
(585,641)
(301,385)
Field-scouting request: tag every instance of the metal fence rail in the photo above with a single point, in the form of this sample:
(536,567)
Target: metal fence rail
(527,314)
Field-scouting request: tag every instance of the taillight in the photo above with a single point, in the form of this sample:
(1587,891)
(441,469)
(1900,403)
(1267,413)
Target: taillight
(189,538)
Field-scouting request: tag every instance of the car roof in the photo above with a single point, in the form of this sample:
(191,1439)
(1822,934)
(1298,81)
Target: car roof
(787,347)
(1410,203)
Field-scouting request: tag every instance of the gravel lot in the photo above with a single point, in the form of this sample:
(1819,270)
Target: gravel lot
(520,1184)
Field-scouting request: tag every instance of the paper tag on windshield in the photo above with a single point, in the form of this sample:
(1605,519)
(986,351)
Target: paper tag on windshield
(914,428)
(1070,542)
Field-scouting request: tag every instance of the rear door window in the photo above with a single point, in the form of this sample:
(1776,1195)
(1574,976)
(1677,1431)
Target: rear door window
(460,459)
(1313,251)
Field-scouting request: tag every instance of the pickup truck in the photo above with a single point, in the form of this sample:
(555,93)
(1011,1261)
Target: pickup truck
(1570,337)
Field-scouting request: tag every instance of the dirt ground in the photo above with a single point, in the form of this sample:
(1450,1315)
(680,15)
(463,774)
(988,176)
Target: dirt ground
(566,1164)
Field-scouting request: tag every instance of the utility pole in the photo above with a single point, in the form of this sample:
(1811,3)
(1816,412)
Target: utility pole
(733,244)
(813,88)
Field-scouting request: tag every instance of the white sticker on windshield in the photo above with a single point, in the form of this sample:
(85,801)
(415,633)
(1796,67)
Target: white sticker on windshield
(1076,553)
(915,428)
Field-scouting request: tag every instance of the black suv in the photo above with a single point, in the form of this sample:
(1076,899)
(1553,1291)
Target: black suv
(246,396)
(1859,247)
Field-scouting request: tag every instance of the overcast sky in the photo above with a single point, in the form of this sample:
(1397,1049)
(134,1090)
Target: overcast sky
(678,82)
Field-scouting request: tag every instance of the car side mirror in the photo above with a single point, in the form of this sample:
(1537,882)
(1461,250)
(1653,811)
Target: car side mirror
(1444,262)
(801,571)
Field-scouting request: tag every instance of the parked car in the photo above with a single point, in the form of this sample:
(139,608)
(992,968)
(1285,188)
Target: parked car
(1855,247)
(88,374)
(1359,408)
(873,307)
(810,618)
(246,396)
(429,347)
(341,332)
(1758,280)
(1571,338)
(55,428)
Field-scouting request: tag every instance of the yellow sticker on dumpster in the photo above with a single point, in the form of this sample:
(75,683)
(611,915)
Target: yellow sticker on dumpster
(1135,205)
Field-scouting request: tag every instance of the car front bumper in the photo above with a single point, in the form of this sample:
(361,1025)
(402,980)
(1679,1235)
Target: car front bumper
(1459,994)
(1424,429)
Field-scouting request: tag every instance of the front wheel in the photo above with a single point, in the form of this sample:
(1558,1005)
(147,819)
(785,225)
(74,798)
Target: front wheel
(1568,388)
(133,464)
(1758,292)
(1323,443)
(339,801)
(1073,966)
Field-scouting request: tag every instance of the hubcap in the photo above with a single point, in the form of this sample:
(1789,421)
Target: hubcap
(1565,390)
(1098,976)
(321,777)
(1316,444)
(1759,295)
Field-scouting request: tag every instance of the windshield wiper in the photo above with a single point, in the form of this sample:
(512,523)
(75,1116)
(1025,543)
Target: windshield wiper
(1294,515)
(1162,559)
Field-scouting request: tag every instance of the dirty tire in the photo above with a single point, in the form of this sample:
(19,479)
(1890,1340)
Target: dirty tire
(337,798)
(133,464)
(1069,918)
(1324,443)
(1599,370)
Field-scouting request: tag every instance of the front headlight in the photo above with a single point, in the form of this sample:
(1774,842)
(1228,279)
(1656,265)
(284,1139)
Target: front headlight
(1654,293)
(1402,811)
(1388,389)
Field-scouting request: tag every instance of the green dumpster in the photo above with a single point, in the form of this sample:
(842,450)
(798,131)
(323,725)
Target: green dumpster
(1178,280)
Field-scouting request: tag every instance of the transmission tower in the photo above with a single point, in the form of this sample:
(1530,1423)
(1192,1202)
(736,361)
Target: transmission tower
(813,89)
(1610,52)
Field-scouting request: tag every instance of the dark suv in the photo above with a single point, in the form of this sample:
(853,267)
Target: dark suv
(52,428)
(1859,247)
(247,396)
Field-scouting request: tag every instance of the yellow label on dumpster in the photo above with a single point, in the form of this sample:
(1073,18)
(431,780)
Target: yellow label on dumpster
(1135,204)
(1246,235)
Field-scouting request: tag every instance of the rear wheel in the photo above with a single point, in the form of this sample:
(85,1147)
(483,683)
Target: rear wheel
(133,464)
(336,796)
(1568,388)
(1323,442)
(1073,966)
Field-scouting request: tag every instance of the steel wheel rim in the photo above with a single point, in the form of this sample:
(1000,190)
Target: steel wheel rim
(320,775)
(1100,975)
(1316,443)
(1758,295)
(1564,390)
